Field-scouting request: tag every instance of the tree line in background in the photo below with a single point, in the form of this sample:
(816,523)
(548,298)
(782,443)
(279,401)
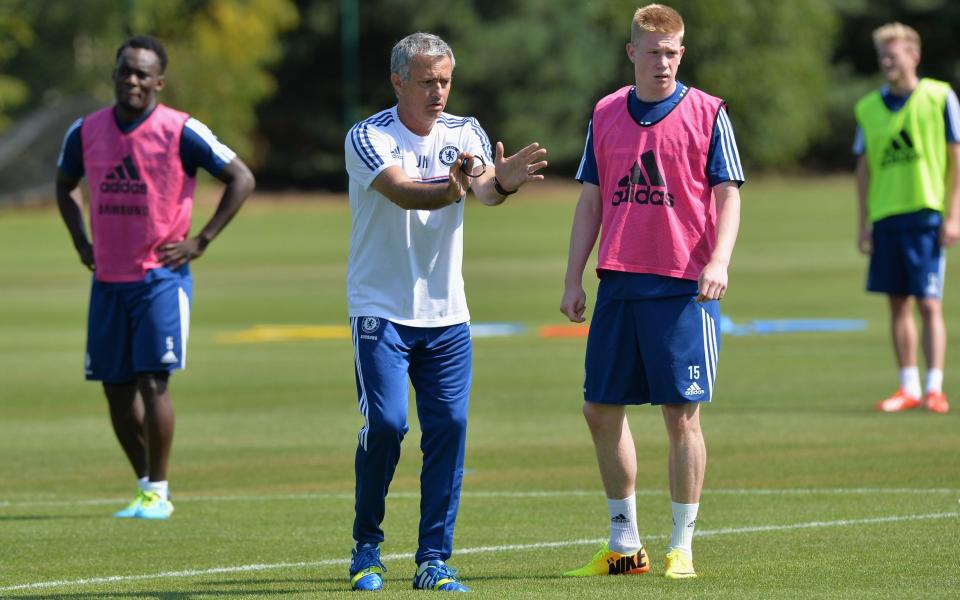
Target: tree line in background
(219,50)
(268,75)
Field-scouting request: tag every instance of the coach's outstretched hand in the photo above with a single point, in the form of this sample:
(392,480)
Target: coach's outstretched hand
(514,171)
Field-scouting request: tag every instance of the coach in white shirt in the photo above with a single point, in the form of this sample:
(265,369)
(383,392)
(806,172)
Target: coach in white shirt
(410,167)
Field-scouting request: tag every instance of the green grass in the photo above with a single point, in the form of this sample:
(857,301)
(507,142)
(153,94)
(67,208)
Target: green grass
(809,493)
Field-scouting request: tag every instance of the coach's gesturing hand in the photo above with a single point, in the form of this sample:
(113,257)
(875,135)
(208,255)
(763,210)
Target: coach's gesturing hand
(516,170)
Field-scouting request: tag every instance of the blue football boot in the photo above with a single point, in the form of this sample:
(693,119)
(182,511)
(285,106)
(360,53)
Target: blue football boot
(436,575)
(152,506)
(130,510)
(366,570)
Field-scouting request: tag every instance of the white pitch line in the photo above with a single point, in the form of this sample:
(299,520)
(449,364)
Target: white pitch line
(493,494)
(477,550)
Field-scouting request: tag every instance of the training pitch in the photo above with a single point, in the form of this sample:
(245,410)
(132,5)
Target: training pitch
(809,493)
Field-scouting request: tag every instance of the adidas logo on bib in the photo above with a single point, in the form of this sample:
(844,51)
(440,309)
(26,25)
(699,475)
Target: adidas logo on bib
(124,179)
(900,150)
(650,190)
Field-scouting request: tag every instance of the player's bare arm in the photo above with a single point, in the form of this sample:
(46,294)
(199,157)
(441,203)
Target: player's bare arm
(583,236)
(863,224)
(713,279)
(950,232)
(512,172)
(408,194)
(239,185)
(70,203)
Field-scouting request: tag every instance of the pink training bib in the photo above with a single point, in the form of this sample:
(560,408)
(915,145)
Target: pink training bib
(658,214)
(140,196)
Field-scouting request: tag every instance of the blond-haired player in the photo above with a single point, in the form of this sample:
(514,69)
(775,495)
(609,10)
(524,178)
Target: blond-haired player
(661,176)
(908,172)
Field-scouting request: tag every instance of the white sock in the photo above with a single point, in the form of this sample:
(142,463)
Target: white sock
(624,537)
(935,380)
(144,484)
(910,381)
(684,522)
(160,487)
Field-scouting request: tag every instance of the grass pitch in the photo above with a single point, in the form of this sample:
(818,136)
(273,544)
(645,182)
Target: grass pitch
(809,493)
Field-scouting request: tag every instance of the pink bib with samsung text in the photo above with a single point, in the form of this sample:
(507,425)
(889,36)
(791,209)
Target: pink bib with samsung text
(140,196)
(658,214)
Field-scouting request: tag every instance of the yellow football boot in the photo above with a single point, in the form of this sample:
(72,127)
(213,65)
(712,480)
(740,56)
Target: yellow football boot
(679,565)
(608,562)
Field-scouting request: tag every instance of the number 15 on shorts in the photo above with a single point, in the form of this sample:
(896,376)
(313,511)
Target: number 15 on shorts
(694,371)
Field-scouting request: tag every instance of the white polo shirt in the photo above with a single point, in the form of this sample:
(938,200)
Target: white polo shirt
(405,265)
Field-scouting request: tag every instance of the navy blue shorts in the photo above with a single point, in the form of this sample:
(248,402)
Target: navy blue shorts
(652,351)
(138,327)
(907,259)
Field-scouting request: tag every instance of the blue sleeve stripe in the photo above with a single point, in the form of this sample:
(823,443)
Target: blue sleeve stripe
(728,145)
(360,139)
(368,146)
(73,127)
(451,122)
(364,156)
(356,149)
(858,142)
(484,140)
(454,122)
(586,148)
(953,118)
(381,120)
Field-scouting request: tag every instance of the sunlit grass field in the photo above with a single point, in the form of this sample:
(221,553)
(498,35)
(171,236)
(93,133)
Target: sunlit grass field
(809,493)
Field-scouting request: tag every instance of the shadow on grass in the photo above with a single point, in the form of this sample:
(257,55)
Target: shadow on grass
(233,588)
(256,588)
(153,595)
(41,517)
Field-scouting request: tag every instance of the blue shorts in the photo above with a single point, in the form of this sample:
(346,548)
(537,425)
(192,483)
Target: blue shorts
(652,350)
(138,327)
(907,259)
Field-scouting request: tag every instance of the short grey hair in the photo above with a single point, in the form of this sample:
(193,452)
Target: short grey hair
(416,44)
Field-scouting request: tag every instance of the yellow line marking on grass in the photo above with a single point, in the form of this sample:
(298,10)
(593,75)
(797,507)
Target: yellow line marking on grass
(284,333)
(477,550)
(489,494)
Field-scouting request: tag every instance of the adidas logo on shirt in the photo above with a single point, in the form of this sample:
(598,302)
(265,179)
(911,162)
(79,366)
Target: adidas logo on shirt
(169,358)
(694,390)
(124,179)
(900,150)
(636,188)
(933,285)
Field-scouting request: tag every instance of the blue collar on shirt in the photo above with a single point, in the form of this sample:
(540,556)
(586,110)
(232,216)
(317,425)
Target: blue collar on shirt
(891,100)
(128,126)
(649,113)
